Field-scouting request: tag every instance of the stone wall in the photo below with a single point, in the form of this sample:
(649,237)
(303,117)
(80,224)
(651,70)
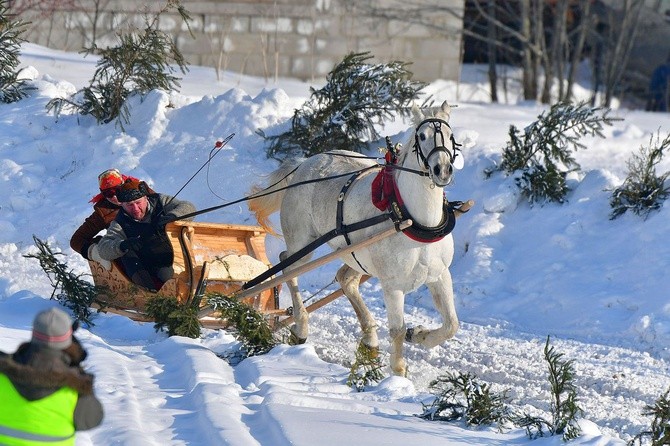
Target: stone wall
(302,39)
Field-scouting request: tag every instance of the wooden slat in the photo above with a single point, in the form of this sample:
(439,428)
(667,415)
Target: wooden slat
(318,304)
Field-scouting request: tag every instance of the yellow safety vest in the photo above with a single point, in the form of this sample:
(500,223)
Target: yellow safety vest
(47,421)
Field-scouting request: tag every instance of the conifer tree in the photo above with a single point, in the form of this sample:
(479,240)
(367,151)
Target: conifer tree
(643,190)
(12,88)
(659,432)
(342,114)
(142,62)
(541,156)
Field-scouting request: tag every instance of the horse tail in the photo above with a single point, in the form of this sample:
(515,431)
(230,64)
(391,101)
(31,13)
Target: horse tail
(265,201)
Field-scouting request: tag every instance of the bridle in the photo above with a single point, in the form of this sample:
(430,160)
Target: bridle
(438,147)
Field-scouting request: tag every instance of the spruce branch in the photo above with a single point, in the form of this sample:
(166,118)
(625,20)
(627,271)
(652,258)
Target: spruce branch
(541,155)
(178,319)
(12,89)
(69,289)
(143,61)
(461,396)
(643,190)
(366,369)
(659,432)
(564,408)
(343,114)
(250,326)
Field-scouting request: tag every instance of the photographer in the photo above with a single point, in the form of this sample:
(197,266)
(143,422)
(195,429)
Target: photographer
(45,395)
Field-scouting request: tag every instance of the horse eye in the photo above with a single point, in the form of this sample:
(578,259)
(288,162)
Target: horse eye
(422,137)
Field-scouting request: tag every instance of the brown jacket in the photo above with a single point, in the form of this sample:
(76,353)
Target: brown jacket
(103,214)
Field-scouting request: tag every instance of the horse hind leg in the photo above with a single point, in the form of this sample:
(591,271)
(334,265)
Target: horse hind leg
(300,328)
(349,280)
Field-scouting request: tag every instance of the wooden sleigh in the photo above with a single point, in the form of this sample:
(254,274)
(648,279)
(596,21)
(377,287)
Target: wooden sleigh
(208,257)
(213,257)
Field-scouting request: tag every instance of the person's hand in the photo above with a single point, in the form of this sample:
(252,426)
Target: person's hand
(134,243)
(164,220)
(94,254)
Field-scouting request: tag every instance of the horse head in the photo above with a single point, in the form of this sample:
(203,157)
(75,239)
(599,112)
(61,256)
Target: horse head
(434,145)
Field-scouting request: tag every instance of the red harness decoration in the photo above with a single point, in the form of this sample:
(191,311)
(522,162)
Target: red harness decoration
(385,196)
(383,186)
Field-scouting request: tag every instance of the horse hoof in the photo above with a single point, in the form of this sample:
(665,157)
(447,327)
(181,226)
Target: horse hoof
(408,334)
(296,340)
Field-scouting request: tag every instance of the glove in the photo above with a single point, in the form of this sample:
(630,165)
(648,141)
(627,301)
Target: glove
(94,254)
(164,220)
(134,243)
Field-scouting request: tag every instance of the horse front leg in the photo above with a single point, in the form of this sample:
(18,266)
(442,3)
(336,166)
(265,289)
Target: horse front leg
(443,298)
(395,302)
(300,328)
(349,280)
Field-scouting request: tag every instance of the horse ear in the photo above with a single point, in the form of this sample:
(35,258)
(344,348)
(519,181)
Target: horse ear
(446,109)
(417,114)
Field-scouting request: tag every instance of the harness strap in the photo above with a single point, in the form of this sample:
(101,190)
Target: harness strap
(315,244)
(340,216)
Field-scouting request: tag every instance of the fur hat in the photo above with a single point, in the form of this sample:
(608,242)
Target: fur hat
(110,178)
(131,190)
(52,328)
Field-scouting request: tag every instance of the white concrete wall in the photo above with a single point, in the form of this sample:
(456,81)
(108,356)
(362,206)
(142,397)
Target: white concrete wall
(302,39)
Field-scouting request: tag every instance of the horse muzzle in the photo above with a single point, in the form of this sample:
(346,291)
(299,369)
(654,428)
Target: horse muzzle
(442,172)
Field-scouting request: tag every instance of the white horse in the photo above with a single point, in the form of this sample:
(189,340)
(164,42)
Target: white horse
(424,165)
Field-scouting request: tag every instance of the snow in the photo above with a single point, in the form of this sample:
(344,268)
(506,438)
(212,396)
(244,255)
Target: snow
(597,287)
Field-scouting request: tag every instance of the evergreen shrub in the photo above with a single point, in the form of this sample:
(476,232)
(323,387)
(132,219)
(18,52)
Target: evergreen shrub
(342,114)
(643,190)
(143,61)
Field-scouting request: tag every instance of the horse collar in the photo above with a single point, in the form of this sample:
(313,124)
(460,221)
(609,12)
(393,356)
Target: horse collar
(386,196)
(419,232)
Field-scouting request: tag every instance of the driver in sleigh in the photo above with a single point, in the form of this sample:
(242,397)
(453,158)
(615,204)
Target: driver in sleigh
(137,235)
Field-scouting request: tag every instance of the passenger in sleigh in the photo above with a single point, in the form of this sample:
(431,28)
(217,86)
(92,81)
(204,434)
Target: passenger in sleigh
(105,207)
(137,235)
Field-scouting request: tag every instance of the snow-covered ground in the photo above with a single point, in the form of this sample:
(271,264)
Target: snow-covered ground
(598,287)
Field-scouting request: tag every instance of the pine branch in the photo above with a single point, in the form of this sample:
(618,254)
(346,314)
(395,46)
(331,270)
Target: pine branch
(68,288)
(643,190)
(343,114)
(542,155)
